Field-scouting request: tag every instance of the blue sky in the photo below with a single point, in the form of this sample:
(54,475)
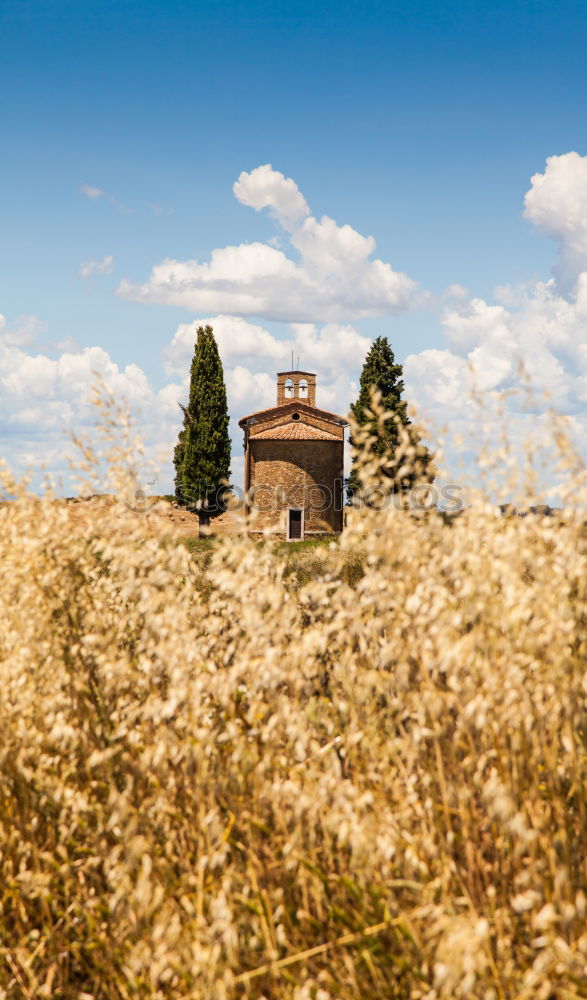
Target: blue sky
(418,125)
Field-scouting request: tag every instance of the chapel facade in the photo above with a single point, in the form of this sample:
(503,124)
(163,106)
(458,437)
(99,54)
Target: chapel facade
(294,463)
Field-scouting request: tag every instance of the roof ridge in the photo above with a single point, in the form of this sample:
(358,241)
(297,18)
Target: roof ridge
(295,404)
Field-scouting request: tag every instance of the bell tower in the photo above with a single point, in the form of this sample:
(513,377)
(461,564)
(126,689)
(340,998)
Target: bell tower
(296,386)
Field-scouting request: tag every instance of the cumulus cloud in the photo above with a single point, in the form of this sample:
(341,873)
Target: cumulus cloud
(539,341)
(533,335)
(92,268)
(557,204)
(336,352)
(503,370)
(247,391)
(43,397)
(327,275)
(332,348)
(268,188)
(252,356)
(236,338)
(63,383)
(333,278)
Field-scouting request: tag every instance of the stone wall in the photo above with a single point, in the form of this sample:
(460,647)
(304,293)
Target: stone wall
(307,474)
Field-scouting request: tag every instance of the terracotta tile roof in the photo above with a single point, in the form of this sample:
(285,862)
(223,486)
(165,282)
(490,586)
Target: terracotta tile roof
(294,432)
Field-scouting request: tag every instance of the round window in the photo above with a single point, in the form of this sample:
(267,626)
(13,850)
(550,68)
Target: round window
(295,416)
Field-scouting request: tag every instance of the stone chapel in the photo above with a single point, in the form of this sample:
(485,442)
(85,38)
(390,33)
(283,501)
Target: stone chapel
(294,457)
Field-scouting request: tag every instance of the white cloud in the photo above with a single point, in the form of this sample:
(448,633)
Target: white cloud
(557,204)
(42,397)
(268,188)
(455,291)
(236,338)
(248,391)
(531,360)
(35,377)
(525,359)
(252,356)
(329,276)
(93,193)
(334,279)
(92,268)
(332,347)
(477,325)
(541,326)
(23,333)
(436,380)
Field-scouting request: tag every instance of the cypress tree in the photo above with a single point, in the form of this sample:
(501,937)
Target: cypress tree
(202,453)
(381,371)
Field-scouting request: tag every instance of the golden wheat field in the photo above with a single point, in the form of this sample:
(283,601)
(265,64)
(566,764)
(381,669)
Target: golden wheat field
(219,782)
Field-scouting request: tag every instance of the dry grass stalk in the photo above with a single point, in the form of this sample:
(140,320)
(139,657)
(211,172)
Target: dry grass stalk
(366,787)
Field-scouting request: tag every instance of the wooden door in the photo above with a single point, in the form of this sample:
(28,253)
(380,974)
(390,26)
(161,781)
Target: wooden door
(295,525)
